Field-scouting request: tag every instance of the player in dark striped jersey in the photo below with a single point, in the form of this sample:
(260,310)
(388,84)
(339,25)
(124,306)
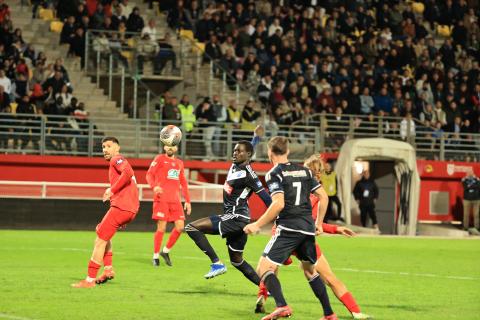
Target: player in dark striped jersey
(239,185)
(290,186)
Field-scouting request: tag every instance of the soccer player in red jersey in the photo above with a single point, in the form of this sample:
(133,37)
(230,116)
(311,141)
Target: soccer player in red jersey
(165,176)
(316,164)
(124,204)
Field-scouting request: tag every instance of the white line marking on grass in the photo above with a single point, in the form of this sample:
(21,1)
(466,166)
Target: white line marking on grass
(7,316)
(422,275)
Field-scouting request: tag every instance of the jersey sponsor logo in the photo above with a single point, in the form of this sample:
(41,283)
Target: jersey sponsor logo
(236,175)
(228,188)
(274,186)
(295,174)
(153,164)
(252,173)
(173,174)
(259,184)
(160,214)
(119,161)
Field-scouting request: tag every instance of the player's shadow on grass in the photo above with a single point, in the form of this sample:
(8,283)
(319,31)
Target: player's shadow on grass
(408,308)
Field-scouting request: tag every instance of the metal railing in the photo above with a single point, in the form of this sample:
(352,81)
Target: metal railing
(45,134)
(199,192)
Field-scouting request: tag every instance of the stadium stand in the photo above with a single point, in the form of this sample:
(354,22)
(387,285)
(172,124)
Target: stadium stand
(342,69)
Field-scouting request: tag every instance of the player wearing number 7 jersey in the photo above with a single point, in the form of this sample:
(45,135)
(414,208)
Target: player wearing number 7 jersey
(124,204)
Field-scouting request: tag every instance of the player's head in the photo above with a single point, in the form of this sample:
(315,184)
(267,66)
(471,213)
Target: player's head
(316,164)
(170,151)
(110,147)
(242,152)
(277,148)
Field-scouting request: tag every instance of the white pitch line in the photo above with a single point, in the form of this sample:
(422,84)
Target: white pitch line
(10,317)
(422,275)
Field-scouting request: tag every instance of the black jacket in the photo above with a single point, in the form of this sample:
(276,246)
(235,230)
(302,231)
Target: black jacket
(366,191)
(471,188)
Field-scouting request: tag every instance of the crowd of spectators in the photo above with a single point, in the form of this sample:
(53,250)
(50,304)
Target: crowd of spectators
(32,89)
(113,23)
(385,58)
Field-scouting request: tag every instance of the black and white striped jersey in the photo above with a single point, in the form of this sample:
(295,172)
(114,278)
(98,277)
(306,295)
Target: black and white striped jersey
(296,183)
(241,181)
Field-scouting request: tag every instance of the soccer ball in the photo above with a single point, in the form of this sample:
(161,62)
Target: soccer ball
(171,135)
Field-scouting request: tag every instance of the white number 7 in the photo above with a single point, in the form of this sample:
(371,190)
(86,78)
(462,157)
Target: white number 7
(298,186)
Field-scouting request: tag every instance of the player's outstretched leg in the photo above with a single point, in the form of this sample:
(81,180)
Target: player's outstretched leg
(338,288)
(267,270)
(157,241)
(319,289)
(108,272)
(197,230)
(93,265)
(236,259)
(174,235)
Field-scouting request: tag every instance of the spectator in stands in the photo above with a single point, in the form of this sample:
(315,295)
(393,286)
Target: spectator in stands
(439,114)
(166,53)
(77,46)
(66,97)
(365,193)
(212,52)
(471,202)
(205,115)
(5,82)
(127,8)
(234,115)
(55,83)
(407,127)
(250,116)
(427,113)
(147,50)
(171,112)
(187,111)
(150,30)
(29,123)
(4,99)
(118,17)
(7,124)
(116,51)
(135,21)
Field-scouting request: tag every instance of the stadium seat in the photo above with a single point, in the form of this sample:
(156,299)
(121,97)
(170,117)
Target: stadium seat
(444,30)
(418,7)
(199,48)
(46,14)
(187,34)
(56,26)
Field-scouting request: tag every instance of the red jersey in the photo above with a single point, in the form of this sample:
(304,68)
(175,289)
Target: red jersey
(123,185)
(168,174)
(327,228)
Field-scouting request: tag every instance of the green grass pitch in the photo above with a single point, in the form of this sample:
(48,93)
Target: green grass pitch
(391,278)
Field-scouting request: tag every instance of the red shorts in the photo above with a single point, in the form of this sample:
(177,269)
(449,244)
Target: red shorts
(168,211)
(289,261)
(112,221)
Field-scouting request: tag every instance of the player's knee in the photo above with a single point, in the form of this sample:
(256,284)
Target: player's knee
(179,229)
(308,274)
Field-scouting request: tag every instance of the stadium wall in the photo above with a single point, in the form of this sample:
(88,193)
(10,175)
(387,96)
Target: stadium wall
(54,214)
(439,179)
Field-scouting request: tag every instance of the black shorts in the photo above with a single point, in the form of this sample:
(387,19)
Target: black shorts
(231,228)
(283,243)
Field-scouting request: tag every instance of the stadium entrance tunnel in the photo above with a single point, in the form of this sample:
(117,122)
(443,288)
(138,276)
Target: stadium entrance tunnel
(393,166)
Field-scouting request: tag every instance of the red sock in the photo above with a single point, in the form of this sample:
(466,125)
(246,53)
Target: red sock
(349,301)
(173,238)
(107,259)
(157,242)
(93,268)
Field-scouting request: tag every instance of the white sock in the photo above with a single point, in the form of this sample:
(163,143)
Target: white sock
(156,255)
(165,250)
(218,262)
(90,279)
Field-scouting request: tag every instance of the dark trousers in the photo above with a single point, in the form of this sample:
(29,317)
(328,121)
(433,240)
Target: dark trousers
(367,210)
(331,201)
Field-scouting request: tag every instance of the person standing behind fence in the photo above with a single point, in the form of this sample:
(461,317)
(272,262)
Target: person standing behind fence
(187,111)
(365,193)
(205,116)
(329,182)
(471,201)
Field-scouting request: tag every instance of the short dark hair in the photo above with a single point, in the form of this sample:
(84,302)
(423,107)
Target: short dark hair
(278,145)
(248,146)
(113,139)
